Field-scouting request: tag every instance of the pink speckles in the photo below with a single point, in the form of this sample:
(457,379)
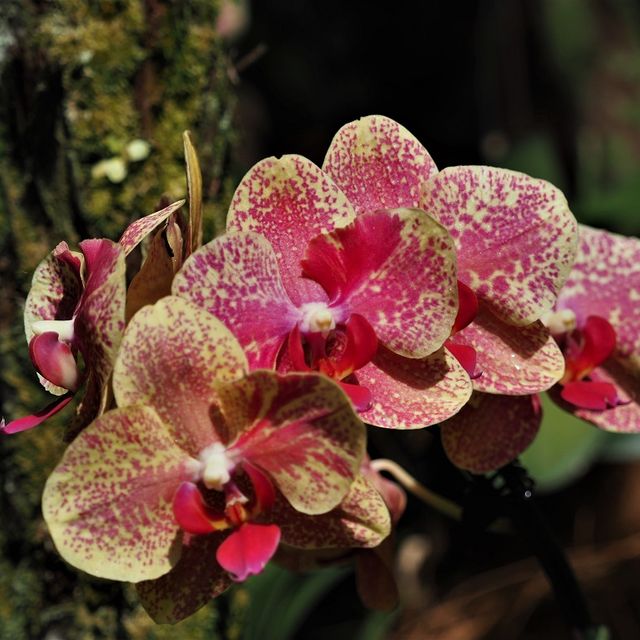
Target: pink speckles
(235,277)
(139,229)
(513,360)
(361,520)
(412,394)
(298,202)
(310,445)
(491,431)
(395,268)
(516,241)
(172,357)
(97,490)
(378,164)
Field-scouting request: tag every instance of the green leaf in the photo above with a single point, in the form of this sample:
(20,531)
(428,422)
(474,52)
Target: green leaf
(280,600)
(376,625)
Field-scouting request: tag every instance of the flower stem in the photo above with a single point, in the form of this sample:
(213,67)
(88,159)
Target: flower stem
(430,498)
(531,524)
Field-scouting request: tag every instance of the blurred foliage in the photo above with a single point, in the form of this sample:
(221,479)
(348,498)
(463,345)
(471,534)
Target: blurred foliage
(280,606)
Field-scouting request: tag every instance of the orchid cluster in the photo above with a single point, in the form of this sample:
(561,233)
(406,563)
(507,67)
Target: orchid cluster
(223,392)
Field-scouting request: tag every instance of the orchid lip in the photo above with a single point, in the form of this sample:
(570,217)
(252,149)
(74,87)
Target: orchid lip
(64,328)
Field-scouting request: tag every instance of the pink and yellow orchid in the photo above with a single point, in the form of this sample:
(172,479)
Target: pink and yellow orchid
(597,324)
(203,470)
(306,285)
(515,240)
(76,307)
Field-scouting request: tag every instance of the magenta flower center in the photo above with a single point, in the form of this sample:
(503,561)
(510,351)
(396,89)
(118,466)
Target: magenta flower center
(585,348)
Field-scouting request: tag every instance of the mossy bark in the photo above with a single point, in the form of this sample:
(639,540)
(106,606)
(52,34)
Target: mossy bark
(94,99)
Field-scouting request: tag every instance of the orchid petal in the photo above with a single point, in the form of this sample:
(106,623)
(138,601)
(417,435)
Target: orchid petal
(293,358)
(597,343)
(289,200)
(467,307)
(378,164)
(362,343)
(491,431)
(604,282)
(515,236)
(586,394)
(265,494)
(301,430)
(393,494)
(29,422)
(411,394)
(395,268)
(54,360)
(99,323)
(172,356)
(624,418)
(466,356)
(361,520)
(192,513)
(235,277)
(193,581)
(248,549)
(360,396)
(138,230)
(55,291)
(513,360)
(108,504)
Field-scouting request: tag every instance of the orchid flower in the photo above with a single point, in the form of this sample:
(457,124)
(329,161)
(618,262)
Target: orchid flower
(306,285)
(597,324)
(76,307)
(515,241)
(202,470)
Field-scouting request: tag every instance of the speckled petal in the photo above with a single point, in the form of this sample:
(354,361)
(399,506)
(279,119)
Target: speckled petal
(624,418)
(192,583)
(108,504)
(515,235)
(605,282)
(491,431)
(513,360)
(411,394)
(55,291)
(99,322)
(395,268)
(378,164)
(301,430)
(136,231)
(235,277)
(361,520)
(289,200)
(172,356)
